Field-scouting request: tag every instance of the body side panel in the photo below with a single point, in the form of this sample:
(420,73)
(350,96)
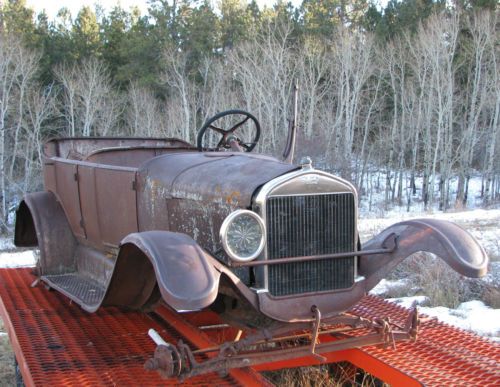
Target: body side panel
(115,198)
(66,190)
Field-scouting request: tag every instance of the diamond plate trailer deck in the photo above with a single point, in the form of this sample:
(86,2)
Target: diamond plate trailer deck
(57,343)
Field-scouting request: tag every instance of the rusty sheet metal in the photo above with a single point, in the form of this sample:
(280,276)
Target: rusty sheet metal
(193,192)
(186,277)
(115,199)
(225,177)
(67,193)
(131,157)
(88,205)
(79,148)
(445,239)
(41,211)
(56,343)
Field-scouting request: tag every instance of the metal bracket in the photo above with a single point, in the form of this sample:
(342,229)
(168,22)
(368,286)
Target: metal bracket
(315,329)
(282,342)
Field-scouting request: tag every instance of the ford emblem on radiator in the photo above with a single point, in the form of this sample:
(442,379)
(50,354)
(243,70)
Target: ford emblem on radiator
(310,179)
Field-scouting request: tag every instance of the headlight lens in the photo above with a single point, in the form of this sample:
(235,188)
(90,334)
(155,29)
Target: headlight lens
(243,235)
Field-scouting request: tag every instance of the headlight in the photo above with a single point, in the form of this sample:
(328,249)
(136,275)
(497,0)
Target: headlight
(243,235)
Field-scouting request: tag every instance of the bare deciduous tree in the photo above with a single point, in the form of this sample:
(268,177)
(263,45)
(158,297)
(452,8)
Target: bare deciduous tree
(40,106)
(351,68)
(265,69)
(17,67)
(87,91)
(144,115)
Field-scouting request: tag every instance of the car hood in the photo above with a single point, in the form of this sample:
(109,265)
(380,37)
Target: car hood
(225,177)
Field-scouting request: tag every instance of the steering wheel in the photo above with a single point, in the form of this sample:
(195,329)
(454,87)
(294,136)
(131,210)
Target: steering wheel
(229,137)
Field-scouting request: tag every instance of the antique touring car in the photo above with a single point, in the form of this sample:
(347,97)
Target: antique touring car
(263,242)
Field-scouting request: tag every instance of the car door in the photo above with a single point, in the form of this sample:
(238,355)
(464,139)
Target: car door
(108,203)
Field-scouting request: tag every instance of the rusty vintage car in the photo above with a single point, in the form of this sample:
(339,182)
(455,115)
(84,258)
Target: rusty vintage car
(263,242)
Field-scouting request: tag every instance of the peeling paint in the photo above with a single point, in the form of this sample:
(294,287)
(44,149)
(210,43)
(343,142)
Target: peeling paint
(233,197)
(187,195)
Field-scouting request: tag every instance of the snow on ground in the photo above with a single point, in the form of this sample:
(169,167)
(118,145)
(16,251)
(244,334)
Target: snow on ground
(472,316)
(384,286)
(372,201)
(17,259)
(483,224)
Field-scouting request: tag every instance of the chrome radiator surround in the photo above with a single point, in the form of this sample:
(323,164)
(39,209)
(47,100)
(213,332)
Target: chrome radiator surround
(303,182)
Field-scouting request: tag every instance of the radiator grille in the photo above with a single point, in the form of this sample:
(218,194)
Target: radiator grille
(310,225)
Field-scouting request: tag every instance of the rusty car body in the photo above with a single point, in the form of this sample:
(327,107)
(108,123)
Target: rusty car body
(131,221)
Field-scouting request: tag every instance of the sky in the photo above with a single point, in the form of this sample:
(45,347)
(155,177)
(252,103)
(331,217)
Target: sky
(52,6)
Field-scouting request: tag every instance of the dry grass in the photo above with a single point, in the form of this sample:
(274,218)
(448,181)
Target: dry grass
(7,372)
(432,277)
(491,297)
(338,375)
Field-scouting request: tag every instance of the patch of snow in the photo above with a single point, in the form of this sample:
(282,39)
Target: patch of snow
(385,286)
(17,259)
(473,316)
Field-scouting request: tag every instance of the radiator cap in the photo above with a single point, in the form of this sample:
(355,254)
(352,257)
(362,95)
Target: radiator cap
(306,163)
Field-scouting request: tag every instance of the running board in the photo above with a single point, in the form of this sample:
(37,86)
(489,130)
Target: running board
(86,292)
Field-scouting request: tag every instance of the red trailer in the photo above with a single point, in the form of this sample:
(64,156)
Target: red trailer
(57,343)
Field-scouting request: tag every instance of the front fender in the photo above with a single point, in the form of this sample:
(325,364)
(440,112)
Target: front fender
(186,278)
(454,245)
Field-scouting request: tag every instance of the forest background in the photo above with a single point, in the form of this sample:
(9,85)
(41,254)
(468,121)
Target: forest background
(409,92)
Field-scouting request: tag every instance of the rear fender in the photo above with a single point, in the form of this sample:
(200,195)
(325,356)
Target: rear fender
(455,246)
(186,278)
(41,221)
